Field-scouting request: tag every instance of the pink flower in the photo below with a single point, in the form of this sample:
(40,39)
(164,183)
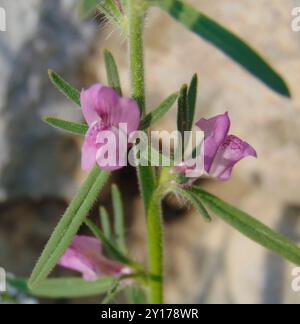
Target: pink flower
(221,151)
(85,256)
(104,112)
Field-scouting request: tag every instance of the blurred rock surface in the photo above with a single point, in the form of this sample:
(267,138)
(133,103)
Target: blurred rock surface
(36,160)
(38,165)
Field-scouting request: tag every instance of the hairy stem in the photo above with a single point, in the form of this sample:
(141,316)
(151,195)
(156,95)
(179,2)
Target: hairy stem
(155,250)
(136,51)
(136,12)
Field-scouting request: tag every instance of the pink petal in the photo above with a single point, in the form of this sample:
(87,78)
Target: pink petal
(85,256)
(104,110)
(192,168)
(230,152)
(80,256)
(129,114)
(107,105)
(103,103)
(90,246)
(116,144)
(89,101)
(215,131)
(90,146)
(75,261)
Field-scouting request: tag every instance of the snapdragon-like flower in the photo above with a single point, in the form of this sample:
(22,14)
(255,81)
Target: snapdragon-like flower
(221,151)
(104,112)
(85,255)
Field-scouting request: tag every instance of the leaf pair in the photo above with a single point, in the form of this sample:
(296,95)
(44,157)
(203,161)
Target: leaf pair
(113,80)
(195,200)
(187,106)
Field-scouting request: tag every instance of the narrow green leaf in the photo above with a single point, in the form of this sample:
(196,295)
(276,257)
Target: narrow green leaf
(105,223)
(112,73)
(226,41)
(64,87)
(68,225)
(192,100)
(194,199)
(71,127)
(113,12)
(158,112)
(251,227)
(108,245)
(119,225)
(20,284)
(136,295)
(72,288)
(182,114)
(107,7)
(113,293)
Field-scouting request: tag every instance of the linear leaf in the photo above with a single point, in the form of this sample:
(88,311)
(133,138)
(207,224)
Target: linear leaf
(136,295)
(182,114)
(104,220)
(109,246)
(112,73)
(68,225)
(71,127)
(113,293)
(192,99)
(72,287)
(20,284)
(194,199)
(64,87)
(159,112)
(119,226)
(251,227)
(226,41)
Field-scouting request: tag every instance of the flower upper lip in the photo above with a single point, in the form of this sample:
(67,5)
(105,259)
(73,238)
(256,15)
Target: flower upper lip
(221,151)
(104,110)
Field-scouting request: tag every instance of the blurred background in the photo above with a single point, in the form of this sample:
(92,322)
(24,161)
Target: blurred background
(40,170)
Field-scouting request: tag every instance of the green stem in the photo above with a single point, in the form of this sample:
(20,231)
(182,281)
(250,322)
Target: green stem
(136,12)
(155,250)
(136,52)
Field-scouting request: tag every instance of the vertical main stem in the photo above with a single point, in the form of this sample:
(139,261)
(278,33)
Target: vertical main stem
(155,250)
(136,52)
(146,176)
